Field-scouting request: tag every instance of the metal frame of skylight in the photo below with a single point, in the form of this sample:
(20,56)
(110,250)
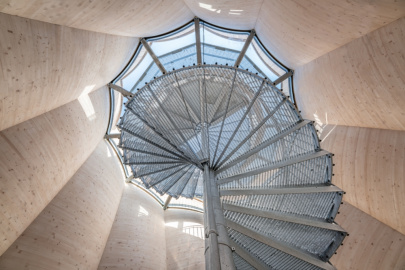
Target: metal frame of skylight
(252,35)
(143,43)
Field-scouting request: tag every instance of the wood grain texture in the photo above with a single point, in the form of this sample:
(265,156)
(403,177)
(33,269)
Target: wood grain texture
(124,18)
(71,232)
(38,157)
(299,31)
(371,244)
(184,239)
(137,238)
(360,84)
(44,66)
(370,167)
(234,14)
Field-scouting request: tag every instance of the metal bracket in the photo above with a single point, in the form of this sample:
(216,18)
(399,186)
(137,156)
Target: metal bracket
(112,136)
(225,244)
(123,91)
(207,235)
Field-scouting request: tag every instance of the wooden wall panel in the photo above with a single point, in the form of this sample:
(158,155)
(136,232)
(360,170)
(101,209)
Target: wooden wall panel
(43,66)
(370,167)
(371,245)
(38,157)
(137,238)
(184,239)
(71,232)
(234,14)
(299,31)
(124,17)
(360,84)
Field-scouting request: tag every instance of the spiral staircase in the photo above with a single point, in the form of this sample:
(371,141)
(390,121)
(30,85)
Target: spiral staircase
(233,138)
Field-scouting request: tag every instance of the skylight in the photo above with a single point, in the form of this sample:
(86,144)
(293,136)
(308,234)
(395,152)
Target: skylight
(180,48)
(218,46)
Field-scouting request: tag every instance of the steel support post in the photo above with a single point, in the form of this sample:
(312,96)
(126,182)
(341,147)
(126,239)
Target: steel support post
(211,248)
(218,252)
(225,250)
(197,40)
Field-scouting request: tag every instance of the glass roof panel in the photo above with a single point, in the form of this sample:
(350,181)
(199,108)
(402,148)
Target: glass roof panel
(171,43)
(220,46)
(257,61)
(186,56)
(150,72)
(140,71)
(195,204)
(132,74)
(177,49)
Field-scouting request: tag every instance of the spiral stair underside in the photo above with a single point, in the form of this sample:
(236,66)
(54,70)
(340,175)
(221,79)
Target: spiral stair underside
(274,180)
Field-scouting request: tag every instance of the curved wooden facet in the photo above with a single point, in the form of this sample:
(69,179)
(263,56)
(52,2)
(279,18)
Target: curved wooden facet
(137,236)
(38,157)
(371,244)
(370,167)
(124,18)
(239,14)
(297,32)
(45,66)
(184,239)
(359,84)
(71,232)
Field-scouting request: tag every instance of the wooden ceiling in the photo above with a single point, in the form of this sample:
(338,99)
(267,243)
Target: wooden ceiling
(349,64)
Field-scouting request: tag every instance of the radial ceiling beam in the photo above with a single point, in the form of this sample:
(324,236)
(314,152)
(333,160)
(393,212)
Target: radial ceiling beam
(276,191)
(273,166)
(245,47)
(124,92)
(198,40)
(283,217)
(153,55)
(280,246)
(254,261)
(264,145)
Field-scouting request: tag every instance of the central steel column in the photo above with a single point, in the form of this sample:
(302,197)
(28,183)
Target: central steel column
(218,252)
